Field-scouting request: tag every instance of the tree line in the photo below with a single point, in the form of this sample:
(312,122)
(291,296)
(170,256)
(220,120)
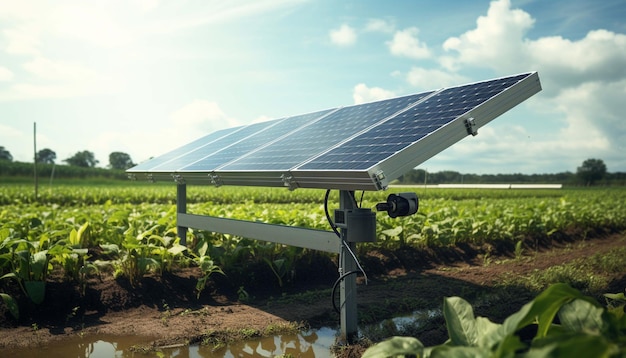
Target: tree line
(85,159)
(591,172)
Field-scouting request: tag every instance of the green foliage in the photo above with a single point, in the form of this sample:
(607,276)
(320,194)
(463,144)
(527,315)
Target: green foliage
(584,329)
(46,156)
(120,161)
(133,226)
(5,155)
(591,171)
(206,265)
(11,305)
(82,159)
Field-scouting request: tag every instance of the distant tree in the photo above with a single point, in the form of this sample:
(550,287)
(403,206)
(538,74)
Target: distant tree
(591,171)
(46,156)
(82,159)
(120,160)
(5,154)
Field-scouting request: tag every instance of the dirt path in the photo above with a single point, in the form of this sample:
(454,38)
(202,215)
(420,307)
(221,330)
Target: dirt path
(162,312)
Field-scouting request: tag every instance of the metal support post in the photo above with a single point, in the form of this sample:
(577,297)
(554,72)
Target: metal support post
(181,208)
(349,319)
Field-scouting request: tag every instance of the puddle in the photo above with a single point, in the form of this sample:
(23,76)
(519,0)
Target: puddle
(312,343)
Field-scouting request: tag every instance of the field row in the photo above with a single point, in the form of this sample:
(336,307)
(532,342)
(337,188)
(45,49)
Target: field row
(131,230)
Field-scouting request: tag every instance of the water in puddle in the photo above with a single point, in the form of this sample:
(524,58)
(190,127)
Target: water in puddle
(314,343)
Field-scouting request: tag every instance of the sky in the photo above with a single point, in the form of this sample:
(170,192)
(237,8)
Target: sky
(146,76)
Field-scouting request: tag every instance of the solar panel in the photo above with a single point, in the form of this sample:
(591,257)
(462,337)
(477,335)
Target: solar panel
(254,141)
(317,137)
(356,147)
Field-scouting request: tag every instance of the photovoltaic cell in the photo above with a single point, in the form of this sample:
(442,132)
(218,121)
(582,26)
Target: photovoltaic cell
(169,156)
(408,127)
(254,141)
(317,137)
(179,163)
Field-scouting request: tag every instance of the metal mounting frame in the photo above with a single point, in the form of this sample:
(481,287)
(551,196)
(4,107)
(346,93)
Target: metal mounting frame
(321,240)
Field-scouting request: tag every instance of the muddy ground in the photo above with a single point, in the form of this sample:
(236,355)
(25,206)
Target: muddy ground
(166,310)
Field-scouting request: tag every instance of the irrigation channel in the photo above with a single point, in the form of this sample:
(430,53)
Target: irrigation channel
(311,343)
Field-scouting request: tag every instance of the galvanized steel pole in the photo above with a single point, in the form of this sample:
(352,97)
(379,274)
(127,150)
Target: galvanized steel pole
(181,208)
(347,288)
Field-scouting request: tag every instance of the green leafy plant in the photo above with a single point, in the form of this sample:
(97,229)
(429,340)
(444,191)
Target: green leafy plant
(585,329)
(11,305)
(207,267)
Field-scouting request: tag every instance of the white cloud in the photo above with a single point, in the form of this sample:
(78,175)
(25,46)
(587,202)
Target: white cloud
(599,56)
(379,25)
(498,35)
(405,43)
(5,74)
(584,80)
(22,40)
(432,78)
(343,36)
(364,94)
(60,70)
(58,79)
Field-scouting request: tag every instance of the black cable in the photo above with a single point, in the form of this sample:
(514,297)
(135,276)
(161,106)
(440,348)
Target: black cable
(344,243)
(341,278)
(330,220)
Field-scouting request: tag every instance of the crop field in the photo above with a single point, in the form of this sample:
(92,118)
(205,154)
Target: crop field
(129,229)
(75,233)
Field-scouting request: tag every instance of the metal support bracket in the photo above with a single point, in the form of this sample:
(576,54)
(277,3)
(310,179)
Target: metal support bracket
(178,179)
(289,181)
(378,178)
(470,125)
(215,179)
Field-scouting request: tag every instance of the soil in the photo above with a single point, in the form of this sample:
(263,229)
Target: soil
(166,310)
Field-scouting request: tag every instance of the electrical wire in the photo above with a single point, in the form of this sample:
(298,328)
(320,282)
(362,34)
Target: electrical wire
(332,296)
(345,244)
(330,220)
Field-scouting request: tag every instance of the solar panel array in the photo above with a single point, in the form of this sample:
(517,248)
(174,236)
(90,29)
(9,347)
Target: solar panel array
(356,147)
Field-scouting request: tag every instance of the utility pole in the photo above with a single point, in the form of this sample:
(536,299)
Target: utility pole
(35,158)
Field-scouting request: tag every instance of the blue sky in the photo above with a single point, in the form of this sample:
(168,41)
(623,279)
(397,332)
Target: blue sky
(146,76)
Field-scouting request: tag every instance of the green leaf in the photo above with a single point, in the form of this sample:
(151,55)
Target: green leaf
(543,309)
(177,249)
(616,296)
(488,333)
(73,238)
(12,305)
(580,316)
(460,352)
(395,346)
(110,248)
(39,265)
(36,290)
(460,321)
(577,344)
(80,234)
(393,232)
(517,320)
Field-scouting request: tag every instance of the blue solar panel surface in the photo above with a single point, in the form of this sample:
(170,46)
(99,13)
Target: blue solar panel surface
(321,135)
(395,134)
(256,140)
(214,146)
(181,151)
(362,146)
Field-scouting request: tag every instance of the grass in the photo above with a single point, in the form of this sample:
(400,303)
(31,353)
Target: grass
(590,275)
